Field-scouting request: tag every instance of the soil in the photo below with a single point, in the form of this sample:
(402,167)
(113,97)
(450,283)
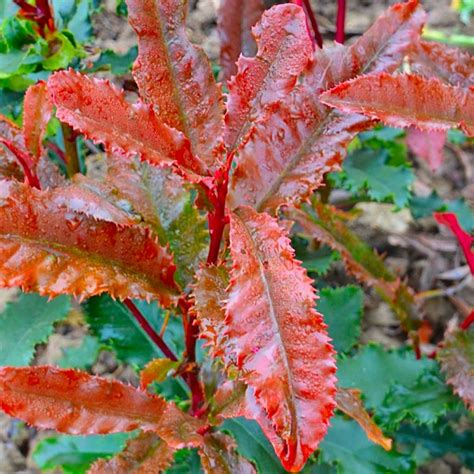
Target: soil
(426,256)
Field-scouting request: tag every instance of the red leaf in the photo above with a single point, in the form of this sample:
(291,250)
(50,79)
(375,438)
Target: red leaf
(427,145)
(145,454)
(219,456)
(406,100)
(37,112)
(279,341)
(8,164)
(210,294)
(450,220)
(49,249)
(457,362)
(175,76)
(348,400)
(288,154)
(74,402)
(235,19)
(284,50)
(157,370)
(99,111)
(451,65)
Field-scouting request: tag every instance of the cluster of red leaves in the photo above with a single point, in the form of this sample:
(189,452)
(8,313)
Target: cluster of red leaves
(268,144)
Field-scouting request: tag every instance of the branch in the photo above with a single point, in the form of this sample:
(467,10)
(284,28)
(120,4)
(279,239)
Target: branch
(340,21)
(70,146)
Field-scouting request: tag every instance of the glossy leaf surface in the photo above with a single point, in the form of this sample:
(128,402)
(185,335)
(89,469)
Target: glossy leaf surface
(288,154)
(235,19)
(457,363)
(146,454)
(406,100)
(37,112)
(271,299)
(349,402)
(27,322)
(175,76)
(51,250)
(98,110)
(77,403)
(261,82)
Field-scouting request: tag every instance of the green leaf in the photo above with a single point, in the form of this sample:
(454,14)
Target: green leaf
(368,170)
(347,445)
(7,8)
(64,52)
(342,311)
(385,134)
(118,64)
(440,441)
(464,213)
(112,323)
(423,402)
(456,136)
(252,444)
(26,323)
(81,357)
(315,261)
(75,454)
(186,461)
(80,24)
(374,370)
(18,33)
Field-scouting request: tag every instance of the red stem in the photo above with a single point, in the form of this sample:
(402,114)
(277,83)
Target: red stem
(468,321)
(57,151)
(341,21)
(26,162)
(152,334)
(316,37)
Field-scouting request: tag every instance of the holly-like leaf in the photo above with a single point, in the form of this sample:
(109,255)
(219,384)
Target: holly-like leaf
(342,310)
(465,240)
(37,112)
(74,402)
(424,103)
(26,322)
(210,295)
(49,249)
(235,19)
(374,371)
(329,227)
(423,402)
(219,456)
(427,145)
(82,356)
(175,76)
(289,152)
(457,363)
(347,446)
(145,454)
(270,300)
(284,50)
(451,65)
(97,109)
(75,454)
(369,169)
(349,402)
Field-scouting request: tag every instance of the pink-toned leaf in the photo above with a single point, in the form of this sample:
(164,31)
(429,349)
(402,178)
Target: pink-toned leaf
(271,299)
(46,248)
(457,362)
(451,65)
(175,76)
(465,240)
(348,400)
(427,145)
(37,112)
(235,19)
(9,167)
(287,155)
(75,402)
(284,50)
(219,456)
(98,110)
(406,100)
(210,294)
(145,454)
